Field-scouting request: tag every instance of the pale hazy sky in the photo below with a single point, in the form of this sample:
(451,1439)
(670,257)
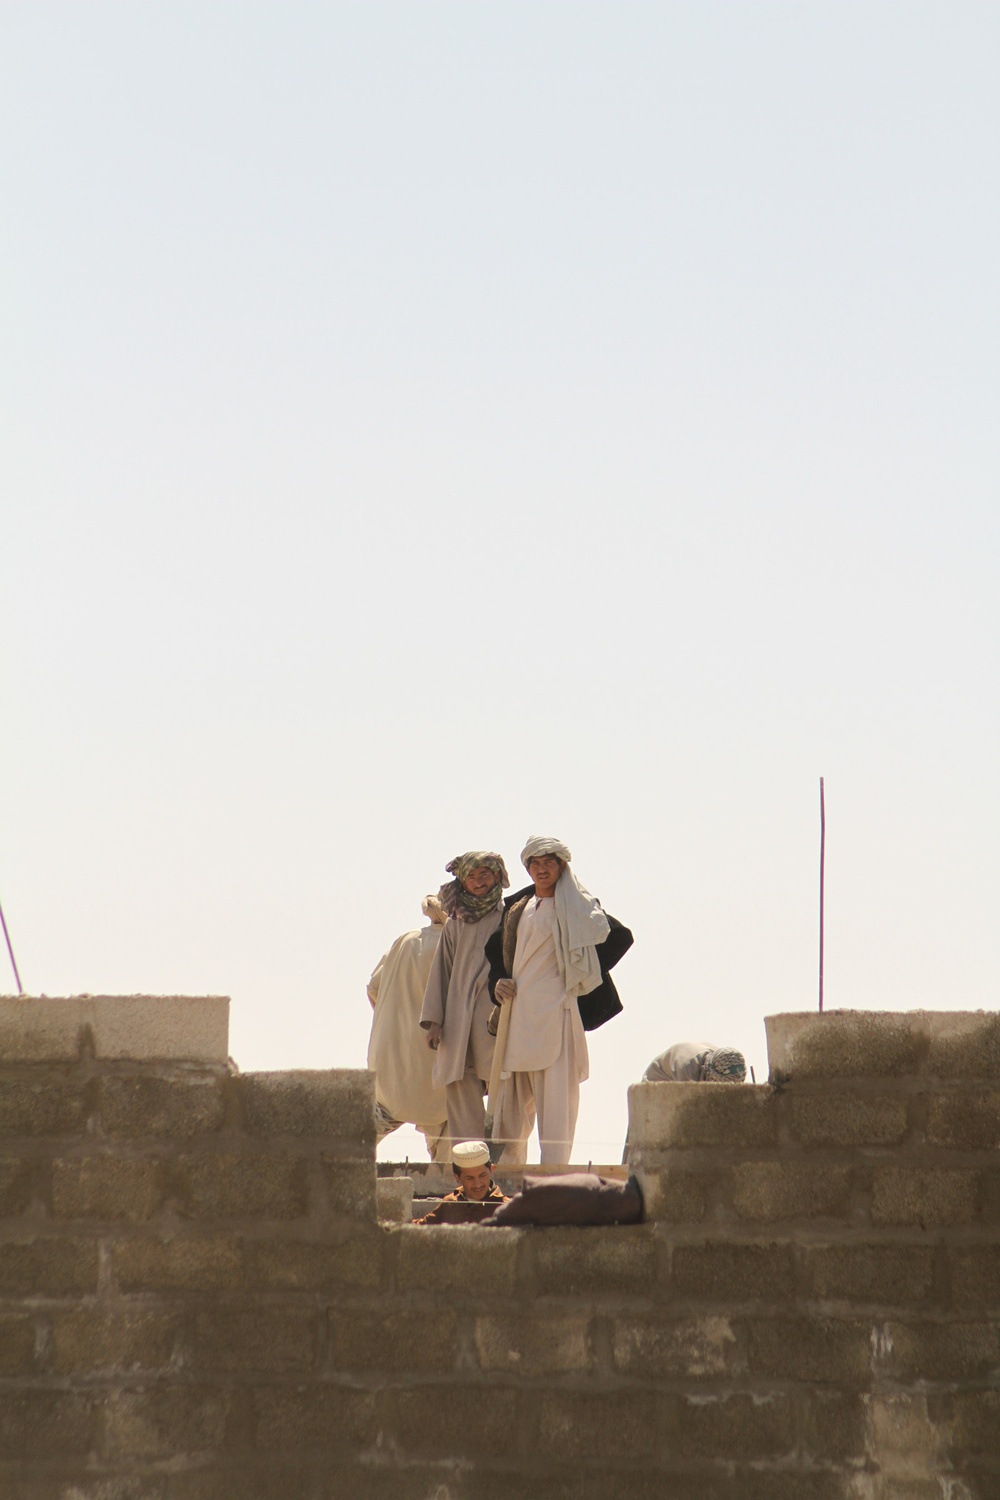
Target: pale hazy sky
(432,423)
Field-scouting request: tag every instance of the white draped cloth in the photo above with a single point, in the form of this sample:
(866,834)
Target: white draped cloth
(398,1053)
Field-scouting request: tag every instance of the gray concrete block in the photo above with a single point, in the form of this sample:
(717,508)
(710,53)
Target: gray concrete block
(43,1106)
(315,1266)
(670,1115)
(886,1044)
(771,1191)
(836,1426)
(732,1272)
(401,1340)
(177,1108)
(675,1349)
(107,1188)
(577,1426)
(144,1264)
(470,1263)
(905,1442)
(924,1196)
(910,1351)
(968,1120)
(350,1187)
(534,1344)
(963,1044)
(845,1044)
(974,1272)
(394,1199)
(736,1427)
(40,1424)
(254,1339)
(20,1182)
(17,1344)
(162,1421)
(672,1195)
(335,1102)
(884,1275)
(48,1267)
(974,1427)
(321,1416)
(452,1422)
(809,1349)
(93,1339)
(595,1263)
(261,1186)
(848,1119)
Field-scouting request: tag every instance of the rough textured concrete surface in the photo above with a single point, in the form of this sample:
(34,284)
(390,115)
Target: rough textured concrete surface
(206,1295)
(192,1028)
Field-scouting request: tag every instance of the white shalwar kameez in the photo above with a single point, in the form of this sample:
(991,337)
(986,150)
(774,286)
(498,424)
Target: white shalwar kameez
(397,1049)
(546,1057)
(457,998)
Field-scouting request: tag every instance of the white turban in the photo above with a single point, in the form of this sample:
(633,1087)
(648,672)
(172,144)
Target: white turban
(537,845)
(580,923)
(432,908)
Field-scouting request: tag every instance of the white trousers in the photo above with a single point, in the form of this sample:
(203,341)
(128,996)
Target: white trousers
(552,1095)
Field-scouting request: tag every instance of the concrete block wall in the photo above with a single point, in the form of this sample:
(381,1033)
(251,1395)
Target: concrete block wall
(198,1302)
(842,1225)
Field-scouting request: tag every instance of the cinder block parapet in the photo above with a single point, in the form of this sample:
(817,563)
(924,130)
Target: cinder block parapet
(883,1044)
(138,1028)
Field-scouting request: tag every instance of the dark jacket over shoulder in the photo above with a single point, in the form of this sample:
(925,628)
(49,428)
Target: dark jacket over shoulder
(597,1007)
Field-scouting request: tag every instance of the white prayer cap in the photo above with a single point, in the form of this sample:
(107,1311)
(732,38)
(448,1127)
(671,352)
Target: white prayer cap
(470,1154)
(537,845)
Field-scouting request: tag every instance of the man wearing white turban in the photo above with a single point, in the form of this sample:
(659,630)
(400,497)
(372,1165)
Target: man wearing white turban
(550,961)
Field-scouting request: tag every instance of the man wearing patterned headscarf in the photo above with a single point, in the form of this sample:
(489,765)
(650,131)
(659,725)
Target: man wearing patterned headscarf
(457,1003)
(404,1089)
(550,962)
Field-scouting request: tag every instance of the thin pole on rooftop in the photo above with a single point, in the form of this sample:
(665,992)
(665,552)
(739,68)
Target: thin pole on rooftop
(13,961)
(822,877)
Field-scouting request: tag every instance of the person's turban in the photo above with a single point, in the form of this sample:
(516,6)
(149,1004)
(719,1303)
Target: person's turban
(537,846)
(469,1154)
(463,865)
(725,1065)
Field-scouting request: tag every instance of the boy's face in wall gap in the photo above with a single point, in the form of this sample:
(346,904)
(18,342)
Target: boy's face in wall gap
(475,1182)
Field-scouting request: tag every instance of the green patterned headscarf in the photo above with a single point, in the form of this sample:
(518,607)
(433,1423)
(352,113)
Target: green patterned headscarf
(724,1065)
(457,901)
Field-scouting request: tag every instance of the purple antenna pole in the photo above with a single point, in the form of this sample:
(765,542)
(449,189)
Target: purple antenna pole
(13,961)
(822,873)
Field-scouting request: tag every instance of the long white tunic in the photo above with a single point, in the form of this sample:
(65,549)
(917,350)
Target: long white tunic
(458,999)
(541,1008)
(397,1049)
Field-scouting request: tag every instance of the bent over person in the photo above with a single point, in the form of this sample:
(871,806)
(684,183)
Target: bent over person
(697,1062)
(457,1002)
(405,1092)
(550,962)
